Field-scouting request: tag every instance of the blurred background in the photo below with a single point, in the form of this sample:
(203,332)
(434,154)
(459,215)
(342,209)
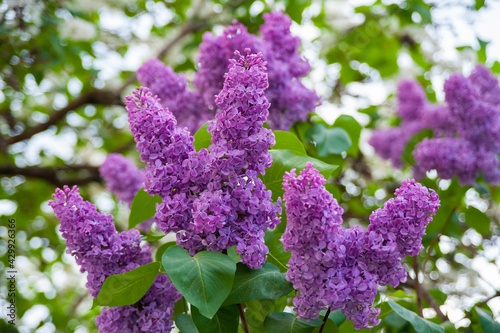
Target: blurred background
(66,67)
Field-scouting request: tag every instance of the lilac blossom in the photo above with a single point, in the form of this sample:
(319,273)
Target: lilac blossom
(390,143)
(162,145)
(173,92)
(122,177)
(449,156)
(290,100)
(340,268)
(213,200)
(466,129)
(101,251)
(478,121)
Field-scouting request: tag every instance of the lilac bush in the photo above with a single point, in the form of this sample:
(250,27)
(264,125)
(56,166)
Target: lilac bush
(213,200)
(466,128)
(340,268)
(99,250)
(290,100)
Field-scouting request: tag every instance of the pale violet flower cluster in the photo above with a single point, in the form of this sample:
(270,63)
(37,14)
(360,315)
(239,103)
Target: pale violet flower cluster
(122,177)
(290,100)
(99,250)
(466,140)
(213,198)
(338,267)
(172,89)
(416,114)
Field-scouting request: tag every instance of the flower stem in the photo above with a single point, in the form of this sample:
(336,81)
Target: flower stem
(324,320)
(243,318)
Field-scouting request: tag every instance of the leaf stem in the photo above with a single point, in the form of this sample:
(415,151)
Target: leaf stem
(243,318)
(324,320)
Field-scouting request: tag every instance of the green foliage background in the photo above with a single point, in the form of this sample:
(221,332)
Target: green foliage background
(65,70)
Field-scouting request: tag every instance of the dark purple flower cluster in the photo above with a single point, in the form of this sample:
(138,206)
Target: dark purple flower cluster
(340,268)
(122,177)
(91,237)
(213,200)
(290,100)
(466,128)
(171,88)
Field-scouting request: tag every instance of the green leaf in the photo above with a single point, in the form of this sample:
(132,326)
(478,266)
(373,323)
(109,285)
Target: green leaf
(205,280)
(477,220)
(255,284)
(337,317)
(231,253)
(481,53)
(286,160)
(330,327)
(353,128)
(300,129)
(410,145)
(438,221)
(225,320)
(180,307)
(479,4)
(419,324)
(185,324)
(487,323)
(258,310)
(153,236)
(161,249)
(127,288)
(495,68)
(288,141)
(277,255)
(284,322)
(333,140)
(202,139)
(294,9)
(143,208)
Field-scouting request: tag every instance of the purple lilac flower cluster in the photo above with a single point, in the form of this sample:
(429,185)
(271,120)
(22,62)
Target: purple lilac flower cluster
(290,100)
(171,88)
(466,128)
(416,114)
(122,177)
(340,268)
(213,200)
(91,237)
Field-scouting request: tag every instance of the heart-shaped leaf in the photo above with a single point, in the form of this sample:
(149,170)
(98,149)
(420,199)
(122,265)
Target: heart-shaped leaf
(205,280)
(353,129)
(288,141)
(286,160)
(185,324)
(127,288)
(477,220)
(487,322)
(255,284)
(419,324)
(334,140)
(225,320)
(202,139)
(284,322)
(277,255)
(143,208)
